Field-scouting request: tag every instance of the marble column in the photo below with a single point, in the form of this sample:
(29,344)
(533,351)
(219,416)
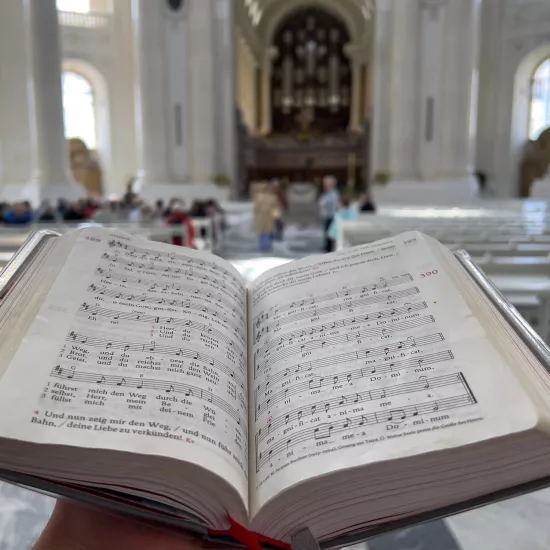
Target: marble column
(424,61)
(381,68)
(151,94)
(202,81)
(403,91)
(185,98)
(355,55)
(458,65)
(51,178)
(431,65)
(15,120)
(267,67)
(225,88)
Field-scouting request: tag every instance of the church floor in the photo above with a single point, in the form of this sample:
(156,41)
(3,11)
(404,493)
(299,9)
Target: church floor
(522,522)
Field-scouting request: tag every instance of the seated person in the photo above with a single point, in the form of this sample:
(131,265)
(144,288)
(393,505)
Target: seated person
(74,213)
(19,214)
(178,216)
(48,214)
(366,204)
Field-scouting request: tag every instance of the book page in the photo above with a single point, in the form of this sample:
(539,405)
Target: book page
(365,355)
(139,347)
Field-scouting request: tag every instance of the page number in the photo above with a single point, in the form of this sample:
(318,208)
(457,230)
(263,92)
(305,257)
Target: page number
(429,274)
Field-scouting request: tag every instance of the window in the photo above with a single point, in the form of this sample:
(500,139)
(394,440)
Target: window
(79,109)
(78,6)
(539,118)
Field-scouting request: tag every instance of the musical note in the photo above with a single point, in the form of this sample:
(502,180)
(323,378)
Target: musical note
(323,432)
(122,382)
(101,380)
(170,389)
(315,383)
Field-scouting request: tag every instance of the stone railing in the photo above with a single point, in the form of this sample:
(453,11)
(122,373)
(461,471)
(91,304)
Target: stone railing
(84,20)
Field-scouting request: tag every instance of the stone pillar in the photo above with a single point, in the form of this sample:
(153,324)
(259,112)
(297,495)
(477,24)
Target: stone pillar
(355,55)
(185,101)
(424,61)
(51,178)
(431,59)
(267,67)
(151,95)
(15,120)
(225,88)
(458,65)
(403,91)
(381,68)
(202,83)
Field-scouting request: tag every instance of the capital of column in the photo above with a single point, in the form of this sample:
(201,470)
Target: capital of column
(356,53)
(270,55)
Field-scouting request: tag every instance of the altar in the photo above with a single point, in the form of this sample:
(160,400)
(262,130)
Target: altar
(288,158)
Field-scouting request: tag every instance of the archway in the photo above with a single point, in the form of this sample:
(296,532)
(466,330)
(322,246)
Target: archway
(522,128)
(312,95)
(539,116)
(86,109)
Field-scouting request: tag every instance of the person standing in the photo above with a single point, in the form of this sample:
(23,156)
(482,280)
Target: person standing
(266,210)
(280,193)
(328,205)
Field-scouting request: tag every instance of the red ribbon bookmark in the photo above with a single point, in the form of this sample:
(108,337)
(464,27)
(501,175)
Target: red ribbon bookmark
(250,539)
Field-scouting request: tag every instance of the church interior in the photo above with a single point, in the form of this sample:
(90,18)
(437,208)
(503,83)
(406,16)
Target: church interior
(422,115)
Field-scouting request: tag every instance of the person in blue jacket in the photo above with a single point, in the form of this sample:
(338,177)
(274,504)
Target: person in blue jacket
(19,214)
(345,212)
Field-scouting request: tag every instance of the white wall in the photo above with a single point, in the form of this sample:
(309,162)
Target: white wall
(515,38)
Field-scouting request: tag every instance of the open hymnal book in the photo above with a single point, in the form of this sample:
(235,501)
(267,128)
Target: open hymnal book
(337,392)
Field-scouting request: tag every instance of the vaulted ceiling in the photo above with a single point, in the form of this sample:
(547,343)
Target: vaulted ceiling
(258,20)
